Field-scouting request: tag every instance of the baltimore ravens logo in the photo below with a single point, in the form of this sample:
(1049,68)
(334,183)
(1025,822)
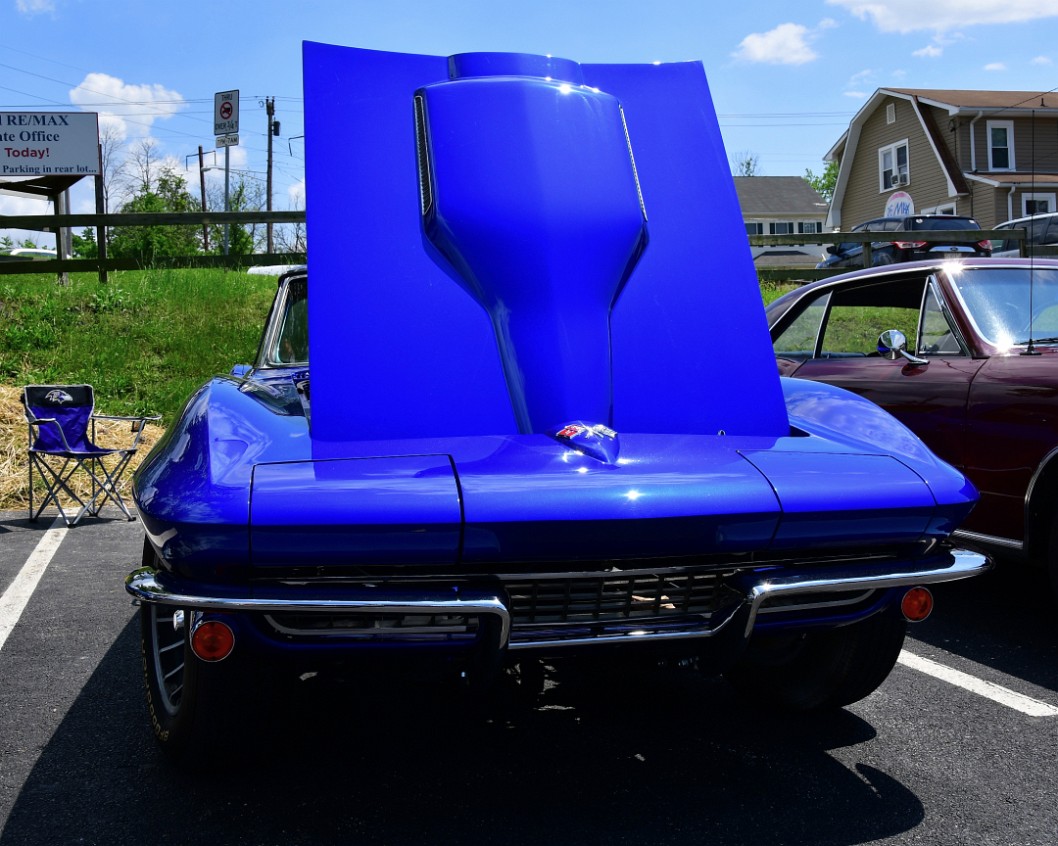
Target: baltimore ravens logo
(57,397)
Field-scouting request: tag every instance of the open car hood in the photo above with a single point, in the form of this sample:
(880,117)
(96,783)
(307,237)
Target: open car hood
(507,244)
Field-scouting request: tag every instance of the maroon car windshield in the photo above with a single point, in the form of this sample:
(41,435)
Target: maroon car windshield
(1010,306)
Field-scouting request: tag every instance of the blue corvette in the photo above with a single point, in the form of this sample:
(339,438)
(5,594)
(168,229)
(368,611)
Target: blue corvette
(541,419)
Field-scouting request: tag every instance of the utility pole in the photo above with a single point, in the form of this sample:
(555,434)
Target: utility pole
(202,186)
(273,129)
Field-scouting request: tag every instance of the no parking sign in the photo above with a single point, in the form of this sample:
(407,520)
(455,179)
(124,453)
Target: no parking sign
(226,112)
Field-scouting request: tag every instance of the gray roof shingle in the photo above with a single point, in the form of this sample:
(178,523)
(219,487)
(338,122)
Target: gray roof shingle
(778,195)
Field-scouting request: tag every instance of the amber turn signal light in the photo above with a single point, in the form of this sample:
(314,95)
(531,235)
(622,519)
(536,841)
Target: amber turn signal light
(917,604)
(212,640)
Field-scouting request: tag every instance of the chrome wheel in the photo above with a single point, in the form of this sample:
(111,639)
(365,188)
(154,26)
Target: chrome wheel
(167,655)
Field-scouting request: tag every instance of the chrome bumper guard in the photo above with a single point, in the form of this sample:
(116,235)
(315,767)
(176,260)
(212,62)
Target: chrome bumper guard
(150,585)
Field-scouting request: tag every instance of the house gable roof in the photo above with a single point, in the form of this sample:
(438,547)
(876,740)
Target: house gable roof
(778,195)
(954,102)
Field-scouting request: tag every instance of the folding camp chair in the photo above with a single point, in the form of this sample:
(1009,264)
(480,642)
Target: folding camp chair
(62,431)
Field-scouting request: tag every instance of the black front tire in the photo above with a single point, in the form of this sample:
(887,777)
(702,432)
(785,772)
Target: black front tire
(188,701)
(829,668)
(1051,559)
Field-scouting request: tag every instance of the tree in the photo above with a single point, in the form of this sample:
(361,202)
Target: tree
(169,194)
(142,163)
(290,237)
(85,246)
(824,183)
(745,164)
(111,150)
(243,195)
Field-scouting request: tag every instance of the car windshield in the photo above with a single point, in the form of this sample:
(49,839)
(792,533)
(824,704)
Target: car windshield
(291,341)
(1007,304)
(943,223)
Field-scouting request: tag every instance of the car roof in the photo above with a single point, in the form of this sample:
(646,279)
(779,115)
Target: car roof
(911,268)
(916,217)
(1014,221)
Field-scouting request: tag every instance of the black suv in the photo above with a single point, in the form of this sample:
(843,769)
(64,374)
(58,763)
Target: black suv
(850,254)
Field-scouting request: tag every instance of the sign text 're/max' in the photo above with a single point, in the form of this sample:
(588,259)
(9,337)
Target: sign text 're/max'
(34,144)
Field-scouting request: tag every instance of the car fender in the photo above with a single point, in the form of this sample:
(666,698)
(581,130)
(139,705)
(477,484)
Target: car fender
(847,418)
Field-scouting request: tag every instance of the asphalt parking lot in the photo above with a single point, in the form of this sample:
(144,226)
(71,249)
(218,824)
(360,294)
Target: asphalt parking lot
(662,756)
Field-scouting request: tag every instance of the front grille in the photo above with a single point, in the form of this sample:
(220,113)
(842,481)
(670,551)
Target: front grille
(595,603)
(614,597)
(421,628)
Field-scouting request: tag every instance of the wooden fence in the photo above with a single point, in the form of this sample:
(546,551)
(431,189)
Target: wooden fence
(959,236)
(103,264)
(101,222)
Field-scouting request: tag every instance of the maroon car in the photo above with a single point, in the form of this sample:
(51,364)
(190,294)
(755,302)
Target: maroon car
(964,352)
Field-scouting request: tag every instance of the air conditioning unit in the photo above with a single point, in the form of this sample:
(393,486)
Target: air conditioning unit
(900,179)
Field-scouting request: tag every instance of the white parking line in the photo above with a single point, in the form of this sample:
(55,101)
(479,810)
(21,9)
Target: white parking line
(21,589)
(995,692)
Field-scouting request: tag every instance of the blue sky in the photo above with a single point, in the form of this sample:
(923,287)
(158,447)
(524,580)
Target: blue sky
(786,77)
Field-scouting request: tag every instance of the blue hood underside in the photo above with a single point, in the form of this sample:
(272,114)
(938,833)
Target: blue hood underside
(503,244)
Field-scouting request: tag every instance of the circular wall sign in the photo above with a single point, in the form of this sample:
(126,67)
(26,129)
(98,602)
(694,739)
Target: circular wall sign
(899,204)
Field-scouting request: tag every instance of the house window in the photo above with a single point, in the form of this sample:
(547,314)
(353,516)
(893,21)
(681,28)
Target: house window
(890,113)
(1037,204)
(1001,145)
(892,166)
(754,228)
(947,208)
(782,228)
(809,227)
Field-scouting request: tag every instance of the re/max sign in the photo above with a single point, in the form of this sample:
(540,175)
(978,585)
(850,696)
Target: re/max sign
(18,119)
(49,144)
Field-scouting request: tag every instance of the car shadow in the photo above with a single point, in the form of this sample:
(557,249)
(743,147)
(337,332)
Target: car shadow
(1005,619)
(659,755)
(16,521)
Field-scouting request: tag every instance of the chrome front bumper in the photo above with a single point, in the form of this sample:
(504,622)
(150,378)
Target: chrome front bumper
(760,589)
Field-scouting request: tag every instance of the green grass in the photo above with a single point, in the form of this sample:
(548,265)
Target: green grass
(773,290)
(144,339)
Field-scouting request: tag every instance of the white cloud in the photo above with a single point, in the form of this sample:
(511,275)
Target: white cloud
(296,194)
(14,204)
(34,7)
(930,51)
(17,204)
(787,44)
(906,16)
(861,77)
(1042,61)
(858,81)
(130,109)
(995,66)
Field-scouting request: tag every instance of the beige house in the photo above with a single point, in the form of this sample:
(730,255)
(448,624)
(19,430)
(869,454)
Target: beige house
(992,155)
(782,205)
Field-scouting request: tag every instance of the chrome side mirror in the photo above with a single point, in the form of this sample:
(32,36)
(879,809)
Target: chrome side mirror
(892,344)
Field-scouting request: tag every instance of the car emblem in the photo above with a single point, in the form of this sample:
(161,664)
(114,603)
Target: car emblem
(594,439)
(57,397)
